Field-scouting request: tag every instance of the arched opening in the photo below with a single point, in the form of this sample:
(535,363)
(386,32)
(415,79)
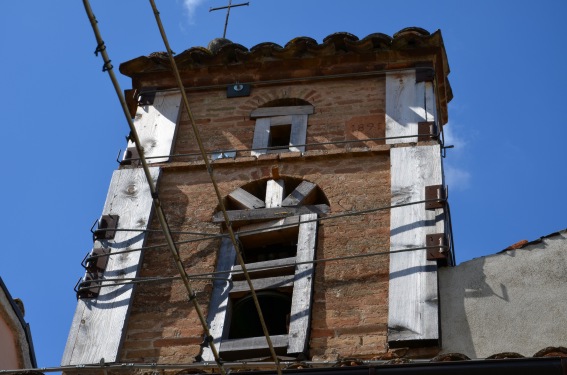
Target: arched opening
(285,102)
(257,189)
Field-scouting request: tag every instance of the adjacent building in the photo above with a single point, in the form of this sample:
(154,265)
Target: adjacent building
(16,347)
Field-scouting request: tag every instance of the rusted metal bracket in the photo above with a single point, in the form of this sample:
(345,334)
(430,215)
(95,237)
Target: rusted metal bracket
(131,157)
(437,246)
(427,131)
(106,227)
(89,286)
(96,260)
(424,72)
(147,97)
(436,195)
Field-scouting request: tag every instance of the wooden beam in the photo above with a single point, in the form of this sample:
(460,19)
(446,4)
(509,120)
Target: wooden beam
(218,304)
(156,126)
(236,216)
(282,111)
(274,193)
(298,133)
(261,137)
(244,200)
(404,106)
(302,286)
(99,323)
(303,194)
(278,282)
(413,300)
(253,343)
(267,226)
(257,270)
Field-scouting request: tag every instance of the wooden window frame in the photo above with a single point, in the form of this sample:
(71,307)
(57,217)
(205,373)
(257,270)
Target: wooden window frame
(300,281)
(269,117)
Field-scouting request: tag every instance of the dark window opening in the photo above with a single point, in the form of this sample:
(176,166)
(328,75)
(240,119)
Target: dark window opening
(270,245)
(280,137)
(276,309)
(270,252)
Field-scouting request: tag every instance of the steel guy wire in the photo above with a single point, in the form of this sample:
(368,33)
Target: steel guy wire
(217,191)
(283,226)
(277,148)
(156,202)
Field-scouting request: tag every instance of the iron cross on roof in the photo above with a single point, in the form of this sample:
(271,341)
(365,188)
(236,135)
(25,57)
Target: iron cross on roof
(227,7)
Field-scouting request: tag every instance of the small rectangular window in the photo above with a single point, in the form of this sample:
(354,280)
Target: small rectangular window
(280,129)
(280,137)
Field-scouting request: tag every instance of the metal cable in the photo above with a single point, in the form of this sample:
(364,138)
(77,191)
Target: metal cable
(102,230)
(211,275)
(255,231)
(156,202)
(217,190)
(179,366)
(277,147)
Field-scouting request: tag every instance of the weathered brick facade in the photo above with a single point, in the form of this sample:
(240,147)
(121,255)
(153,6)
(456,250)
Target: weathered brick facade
(351,296)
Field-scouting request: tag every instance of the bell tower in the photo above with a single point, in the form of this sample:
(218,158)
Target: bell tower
(328,157)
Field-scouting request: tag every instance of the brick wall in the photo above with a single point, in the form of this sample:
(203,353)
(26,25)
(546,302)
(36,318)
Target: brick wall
(350,296)
(344,109)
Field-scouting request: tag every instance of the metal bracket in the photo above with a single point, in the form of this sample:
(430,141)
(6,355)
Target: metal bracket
(427,131)
(96,260)
(438,249)
(436,195)
(88,286)
(424,72)
(106,227)
(131,157)
(147,97)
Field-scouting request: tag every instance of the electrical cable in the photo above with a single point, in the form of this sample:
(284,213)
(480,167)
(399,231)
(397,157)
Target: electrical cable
(178,366)
(211,275)
(156,202)
(283,226)
(217,190)
(102,230)
(277,147)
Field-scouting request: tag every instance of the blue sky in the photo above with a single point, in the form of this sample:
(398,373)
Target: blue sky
(63,127)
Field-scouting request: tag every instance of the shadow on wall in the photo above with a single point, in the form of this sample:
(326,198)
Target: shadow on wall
(457,287)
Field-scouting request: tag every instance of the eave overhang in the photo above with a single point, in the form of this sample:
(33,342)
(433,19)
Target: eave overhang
(340,54)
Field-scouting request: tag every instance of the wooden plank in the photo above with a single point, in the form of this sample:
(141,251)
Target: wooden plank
(277,282)
(268,226)
(156,125)
(303,194)
(257,270)
(298,133)
(280,120)
(244,200)
(236,216)
(219,299)
(413,300)
(98,324)
(254,343)
(302,286)
(430,103)
(404,106)
(274,193)
(282,111)
(261,136)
